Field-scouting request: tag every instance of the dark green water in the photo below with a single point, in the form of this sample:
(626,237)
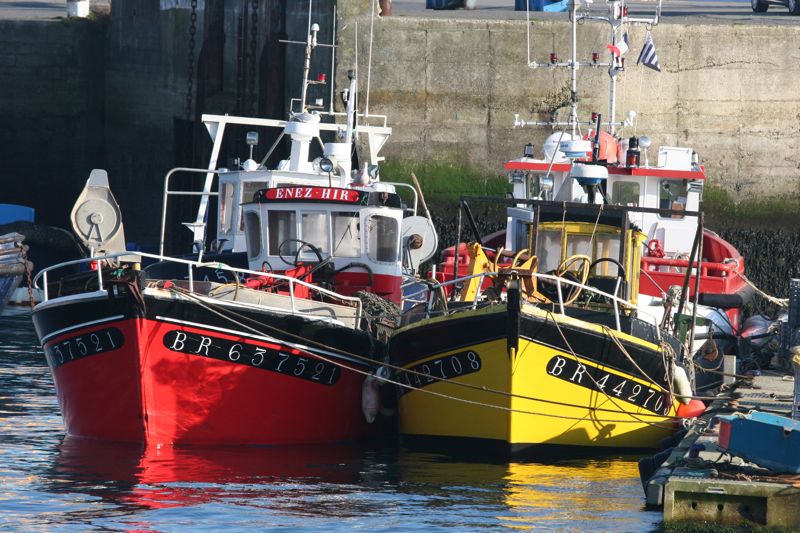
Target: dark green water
(52,483)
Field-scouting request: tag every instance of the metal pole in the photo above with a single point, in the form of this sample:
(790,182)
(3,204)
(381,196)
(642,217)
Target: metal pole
(369,58)
(696,294)
(685,287)
(574,69)
(333,62)
(458,246)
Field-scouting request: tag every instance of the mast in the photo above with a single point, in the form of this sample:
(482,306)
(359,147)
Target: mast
(311,43)
(573,118)
(616,16)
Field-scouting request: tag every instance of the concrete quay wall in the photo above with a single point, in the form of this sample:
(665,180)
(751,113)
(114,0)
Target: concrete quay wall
(731,92)
(51,112)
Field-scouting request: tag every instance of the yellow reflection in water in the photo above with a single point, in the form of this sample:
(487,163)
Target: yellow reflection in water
(600,494)
(576,492)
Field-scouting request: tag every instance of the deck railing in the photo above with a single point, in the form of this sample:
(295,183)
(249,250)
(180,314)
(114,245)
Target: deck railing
(43,276)
(617,303)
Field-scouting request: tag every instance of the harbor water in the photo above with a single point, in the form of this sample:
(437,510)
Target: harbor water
(49,482)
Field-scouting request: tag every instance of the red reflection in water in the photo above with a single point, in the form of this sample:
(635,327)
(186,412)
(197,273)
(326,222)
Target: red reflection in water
(172,477)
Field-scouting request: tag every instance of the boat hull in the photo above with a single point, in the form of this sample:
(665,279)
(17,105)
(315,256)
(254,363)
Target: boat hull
(174,372)
(565,383)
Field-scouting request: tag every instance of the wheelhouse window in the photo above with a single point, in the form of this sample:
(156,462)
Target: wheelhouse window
(672,195)
(249,189)
(282,225)
(314,231)
(346,237)
(625,193)
(579,244)
(227,205)
(521,235)
(252,233)
(549,249)
(383,239)
(606,246)
(601,245)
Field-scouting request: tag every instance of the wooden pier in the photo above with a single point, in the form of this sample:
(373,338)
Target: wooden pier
(700,483)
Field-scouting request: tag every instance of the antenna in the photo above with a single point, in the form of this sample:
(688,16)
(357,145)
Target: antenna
(333,61)
(369,58)
(311,43)
(617,17)
(355,117)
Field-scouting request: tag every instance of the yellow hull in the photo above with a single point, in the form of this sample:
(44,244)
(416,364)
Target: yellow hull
(538,394)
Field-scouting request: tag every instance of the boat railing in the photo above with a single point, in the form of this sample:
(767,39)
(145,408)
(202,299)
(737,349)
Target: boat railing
(618,304)
(707,268)
(204,194)
(406,186)
(293,283)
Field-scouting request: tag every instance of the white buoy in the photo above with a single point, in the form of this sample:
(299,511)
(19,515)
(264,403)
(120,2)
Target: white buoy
(683,388)
(370,399)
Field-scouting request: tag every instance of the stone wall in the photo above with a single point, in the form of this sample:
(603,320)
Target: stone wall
(111,93)
(51,112)
(732,92)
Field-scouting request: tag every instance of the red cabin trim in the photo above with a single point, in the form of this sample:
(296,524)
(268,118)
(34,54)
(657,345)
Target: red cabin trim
(612,170)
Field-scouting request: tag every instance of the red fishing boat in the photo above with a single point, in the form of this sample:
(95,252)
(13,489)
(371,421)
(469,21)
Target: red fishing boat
(169,350)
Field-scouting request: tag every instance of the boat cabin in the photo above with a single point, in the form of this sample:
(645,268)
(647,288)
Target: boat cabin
(563,236)
(331,169)
(356,233)
(675,183)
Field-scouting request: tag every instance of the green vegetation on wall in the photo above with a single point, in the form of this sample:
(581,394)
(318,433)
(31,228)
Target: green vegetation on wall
(444,182)
(774,212)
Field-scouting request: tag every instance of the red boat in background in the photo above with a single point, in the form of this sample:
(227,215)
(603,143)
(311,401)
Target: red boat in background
(598,161)
(675,183)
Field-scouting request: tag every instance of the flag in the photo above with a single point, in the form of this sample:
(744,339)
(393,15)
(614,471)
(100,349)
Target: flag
(648,56)
(620,48)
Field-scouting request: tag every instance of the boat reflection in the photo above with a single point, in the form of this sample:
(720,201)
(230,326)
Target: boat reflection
(154,478)
(573,492)
(307,486)
(560,495)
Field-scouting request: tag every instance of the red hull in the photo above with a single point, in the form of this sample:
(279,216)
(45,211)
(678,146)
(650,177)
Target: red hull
(141,387)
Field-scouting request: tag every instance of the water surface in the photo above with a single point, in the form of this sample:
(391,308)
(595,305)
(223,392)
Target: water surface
(51,482)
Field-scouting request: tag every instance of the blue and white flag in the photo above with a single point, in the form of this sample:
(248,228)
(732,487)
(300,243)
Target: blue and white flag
(648,56)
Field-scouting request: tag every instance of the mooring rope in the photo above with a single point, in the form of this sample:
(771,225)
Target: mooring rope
(780,302)
(203,304)
(602,388)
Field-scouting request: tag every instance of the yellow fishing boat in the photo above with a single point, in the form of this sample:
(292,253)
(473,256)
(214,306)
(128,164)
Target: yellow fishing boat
(541,349)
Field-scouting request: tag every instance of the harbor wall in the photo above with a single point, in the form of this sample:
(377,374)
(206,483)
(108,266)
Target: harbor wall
(451,89)
(110,92)
(51,112)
